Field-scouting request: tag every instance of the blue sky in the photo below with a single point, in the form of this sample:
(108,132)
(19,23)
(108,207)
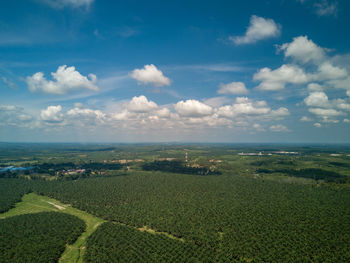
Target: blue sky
(201,71)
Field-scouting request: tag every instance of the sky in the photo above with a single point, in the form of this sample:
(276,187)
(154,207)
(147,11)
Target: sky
(175,71)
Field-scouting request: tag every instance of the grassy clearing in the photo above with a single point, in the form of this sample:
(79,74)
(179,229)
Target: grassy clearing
(33,203)
(152,231)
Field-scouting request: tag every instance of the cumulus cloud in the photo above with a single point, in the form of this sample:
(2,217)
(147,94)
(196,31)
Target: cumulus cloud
(318,125)
(317,99)
(150,74)
(280,112)
(68,3)
(311,56)
(52,114)
(342,104)
(314,87)
(259,28)
(141,104)
(324,108)
(66,79)
(244,106)
(120,116)
(340,84)
(278,78)
(311,64)
(86,113)
(141,116)
(163,113)
(192,108)
(325,112)
(327,71)
(234,88)
(326,119)
(303,50)
(279,128)
(216,101)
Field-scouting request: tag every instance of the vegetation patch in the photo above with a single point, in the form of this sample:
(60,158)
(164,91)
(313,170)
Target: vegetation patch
(39,237)
(116,243)
(33,203)
(178,167)
(12,191)
(311,173)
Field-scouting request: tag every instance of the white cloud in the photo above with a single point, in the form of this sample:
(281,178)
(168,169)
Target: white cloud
(327,71)
(259,28)
(342,104)
(163,113)
(326,8)
(341,84)
(346,120)
(317,99)
(314,87)
(150,75)
(80,113)
(120,116)
(141,105)
(216,101)
(305,119)
(52,114)
(318,125)
(303,50)
(69,3)
(192,108)
(66,79)
(245,106)
(258,127)
(78,105)
(140,116)
(326,119)
(279,128)
(278,78)
(4,108)
(325,112)
(233,88)
(280,112)
(14,116)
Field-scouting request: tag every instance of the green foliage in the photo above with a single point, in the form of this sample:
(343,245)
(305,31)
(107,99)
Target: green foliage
(311,173)
(56,167)
(235,218)
(278,216)
(340,164)
(11,192)
(177,167)
(39,237)
(116,243)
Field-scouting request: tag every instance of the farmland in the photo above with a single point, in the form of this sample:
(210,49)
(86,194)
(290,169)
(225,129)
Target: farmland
(278,204)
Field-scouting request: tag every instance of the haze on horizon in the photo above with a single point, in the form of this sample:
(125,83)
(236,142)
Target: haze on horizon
(200,71)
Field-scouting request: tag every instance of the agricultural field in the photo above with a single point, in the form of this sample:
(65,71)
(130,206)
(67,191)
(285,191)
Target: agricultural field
(188,203)
(38,237)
